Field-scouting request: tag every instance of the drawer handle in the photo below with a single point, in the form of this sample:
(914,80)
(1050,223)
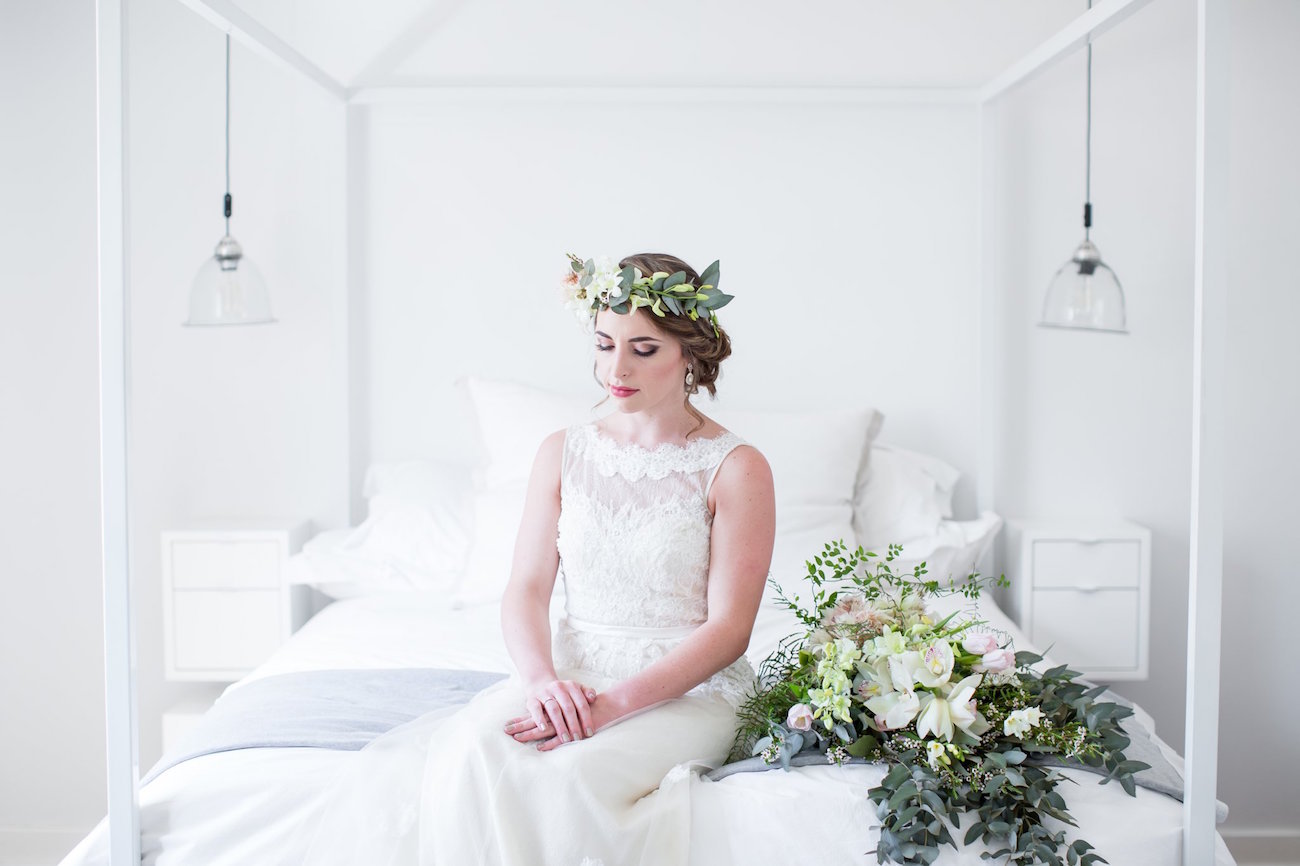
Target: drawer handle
(1088,540)
(1088,588)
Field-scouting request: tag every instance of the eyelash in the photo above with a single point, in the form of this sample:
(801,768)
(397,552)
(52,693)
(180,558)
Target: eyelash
(600,348)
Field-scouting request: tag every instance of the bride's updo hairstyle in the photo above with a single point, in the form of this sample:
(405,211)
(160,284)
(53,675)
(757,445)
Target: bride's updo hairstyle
(703,350)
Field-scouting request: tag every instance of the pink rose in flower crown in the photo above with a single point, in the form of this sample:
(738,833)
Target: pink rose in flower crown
(996,661)
(979,643)
(800,717)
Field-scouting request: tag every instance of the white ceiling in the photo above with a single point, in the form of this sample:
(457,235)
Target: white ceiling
(899,43)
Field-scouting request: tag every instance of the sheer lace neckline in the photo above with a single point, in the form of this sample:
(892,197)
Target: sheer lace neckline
(607,440)
(633,461)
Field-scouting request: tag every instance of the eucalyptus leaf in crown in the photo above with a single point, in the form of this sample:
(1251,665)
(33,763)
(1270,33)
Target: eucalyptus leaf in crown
(599,283)
(964,724)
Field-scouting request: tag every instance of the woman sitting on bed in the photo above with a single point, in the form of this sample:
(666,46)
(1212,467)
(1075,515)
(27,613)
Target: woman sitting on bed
(661,523)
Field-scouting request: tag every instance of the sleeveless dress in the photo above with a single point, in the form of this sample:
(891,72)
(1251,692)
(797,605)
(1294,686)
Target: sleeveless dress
(452,789)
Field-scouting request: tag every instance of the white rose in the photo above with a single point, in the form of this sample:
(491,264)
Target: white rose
(800,717)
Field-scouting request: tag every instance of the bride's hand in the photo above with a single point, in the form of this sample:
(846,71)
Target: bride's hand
(559,706)
(522,729)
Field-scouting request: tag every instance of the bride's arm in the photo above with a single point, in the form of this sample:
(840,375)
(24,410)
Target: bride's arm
(740,552)
(526,604)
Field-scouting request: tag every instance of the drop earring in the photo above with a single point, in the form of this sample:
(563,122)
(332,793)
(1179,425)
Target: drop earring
(690,377)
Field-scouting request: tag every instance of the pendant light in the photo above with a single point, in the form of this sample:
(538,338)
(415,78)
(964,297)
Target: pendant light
(1085,294)
(228,290)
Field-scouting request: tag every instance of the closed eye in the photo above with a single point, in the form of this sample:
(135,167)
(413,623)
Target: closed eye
(601,347)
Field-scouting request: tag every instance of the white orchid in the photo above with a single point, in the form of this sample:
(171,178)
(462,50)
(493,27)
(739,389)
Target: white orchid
(889,643)
(936,664)
(895,709)
(876,680)
(953,706)
(904,669)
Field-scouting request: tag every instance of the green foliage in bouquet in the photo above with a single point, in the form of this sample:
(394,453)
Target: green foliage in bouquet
(965,724)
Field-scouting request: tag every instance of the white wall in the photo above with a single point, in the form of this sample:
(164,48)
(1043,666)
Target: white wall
(245,422)
(1099,424)
(846,233)
(51,633)
(228,422)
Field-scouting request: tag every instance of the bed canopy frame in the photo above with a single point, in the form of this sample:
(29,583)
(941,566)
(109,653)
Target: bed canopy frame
(1210,291)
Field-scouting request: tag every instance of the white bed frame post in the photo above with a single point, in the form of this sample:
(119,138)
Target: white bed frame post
(1205,590)
(119,635)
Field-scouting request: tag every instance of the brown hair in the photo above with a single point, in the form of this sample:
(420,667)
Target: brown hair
(703,350)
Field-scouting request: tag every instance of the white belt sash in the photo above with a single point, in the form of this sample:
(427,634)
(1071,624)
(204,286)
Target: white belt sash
(630,631)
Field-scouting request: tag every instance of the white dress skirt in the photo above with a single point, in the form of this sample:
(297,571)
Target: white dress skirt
(451,788)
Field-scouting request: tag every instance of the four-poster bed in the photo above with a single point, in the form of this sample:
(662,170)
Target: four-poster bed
(1206,519)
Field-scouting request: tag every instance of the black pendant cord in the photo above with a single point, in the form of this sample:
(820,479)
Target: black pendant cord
(1087,182)
(227,201)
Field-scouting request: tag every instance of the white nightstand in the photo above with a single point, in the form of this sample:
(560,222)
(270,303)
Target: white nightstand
(226,606)
(1083,588)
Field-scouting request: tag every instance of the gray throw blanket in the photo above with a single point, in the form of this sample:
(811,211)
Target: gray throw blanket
(1161,777)
(346,709)
(343,709)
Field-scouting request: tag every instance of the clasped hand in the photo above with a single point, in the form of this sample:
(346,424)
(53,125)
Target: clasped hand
(559,711)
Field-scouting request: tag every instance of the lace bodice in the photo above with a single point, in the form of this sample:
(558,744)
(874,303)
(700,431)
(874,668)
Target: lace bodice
(634,532)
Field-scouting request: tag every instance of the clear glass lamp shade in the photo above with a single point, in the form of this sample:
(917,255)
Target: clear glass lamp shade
(1085,294)
(228,290)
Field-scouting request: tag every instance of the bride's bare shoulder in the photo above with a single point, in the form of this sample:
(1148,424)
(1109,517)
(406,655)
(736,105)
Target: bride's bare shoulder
(711,429)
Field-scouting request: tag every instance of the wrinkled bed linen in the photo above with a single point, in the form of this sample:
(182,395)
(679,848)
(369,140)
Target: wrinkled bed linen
(334,709)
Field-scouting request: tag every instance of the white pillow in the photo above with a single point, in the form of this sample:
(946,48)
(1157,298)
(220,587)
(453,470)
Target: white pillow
(438,486)
(817,460)
(904,495)
(511,422)
(953,550)
(415,537)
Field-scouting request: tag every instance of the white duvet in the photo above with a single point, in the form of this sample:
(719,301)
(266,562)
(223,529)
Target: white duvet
(244,807)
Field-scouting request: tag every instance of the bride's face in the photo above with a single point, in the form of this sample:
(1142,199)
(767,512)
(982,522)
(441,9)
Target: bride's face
(640,366)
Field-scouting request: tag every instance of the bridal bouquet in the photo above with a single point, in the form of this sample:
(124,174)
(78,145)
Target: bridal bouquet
(963,722)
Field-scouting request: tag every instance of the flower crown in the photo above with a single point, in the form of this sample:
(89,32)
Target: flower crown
(598,284)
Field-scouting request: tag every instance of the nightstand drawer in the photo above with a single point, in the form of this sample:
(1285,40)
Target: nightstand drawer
(1093,631)
(1085,564)
(219,630)
(253,564)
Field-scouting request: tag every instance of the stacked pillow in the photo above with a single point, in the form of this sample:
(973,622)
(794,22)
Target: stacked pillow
(415,538)
(431,528)
(818,460)
(511,421)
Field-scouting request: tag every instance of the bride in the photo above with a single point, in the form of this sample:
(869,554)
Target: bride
(661,524)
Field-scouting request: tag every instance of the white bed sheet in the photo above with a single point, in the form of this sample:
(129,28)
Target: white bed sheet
(247,806)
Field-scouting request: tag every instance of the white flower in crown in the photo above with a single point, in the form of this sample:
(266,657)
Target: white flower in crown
(577,301)
(605,279)
(598,283)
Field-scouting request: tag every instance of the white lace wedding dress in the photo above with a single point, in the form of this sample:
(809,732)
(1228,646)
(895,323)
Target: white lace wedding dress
(452,789)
